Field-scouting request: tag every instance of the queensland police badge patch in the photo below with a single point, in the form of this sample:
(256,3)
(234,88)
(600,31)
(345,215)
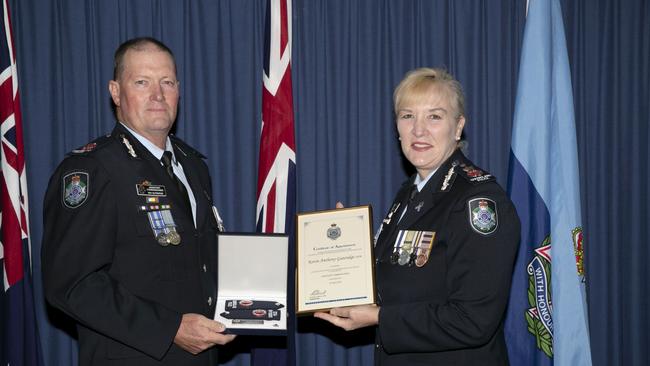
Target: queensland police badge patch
(483,215)
(75,189)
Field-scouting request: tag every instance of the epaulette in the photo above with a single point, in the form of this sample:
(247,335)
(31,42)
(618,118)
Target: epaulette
(185,148)
(474,174)
(92,146)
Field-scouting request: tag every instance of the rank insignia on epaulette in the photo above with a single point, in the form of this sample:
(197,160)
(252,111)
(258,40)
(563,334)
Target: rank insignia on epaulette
(86,148)
(472,172)
(75,189)
(483,216)
(475,175)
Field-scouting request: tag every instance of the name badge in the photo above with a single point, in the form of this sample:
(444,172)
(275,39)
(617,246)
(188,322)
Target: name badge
(152,190)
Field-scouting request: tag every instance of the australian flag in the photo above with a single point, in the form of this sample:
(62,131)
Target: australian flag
(18,332)
(547,315)
(276,185)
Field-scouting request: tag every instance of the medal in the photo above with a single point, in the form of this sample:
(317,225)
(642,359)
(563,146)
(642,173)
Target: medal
(421,260)
(394,258)
(162,239)
(412,246)
(170,227)
(404,257)
(174,237)
(163,225)
(423,247)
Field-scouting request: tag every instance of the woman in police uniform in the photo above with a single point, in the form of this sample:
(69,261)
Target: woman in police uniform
(446,249)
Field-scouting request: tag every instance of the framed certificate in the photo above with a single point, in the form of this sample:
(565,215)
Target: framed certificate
(334,259)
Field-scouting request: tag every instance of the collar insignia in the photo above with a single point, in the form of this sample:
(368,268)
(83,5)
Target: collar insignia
(126,143)
(448,178)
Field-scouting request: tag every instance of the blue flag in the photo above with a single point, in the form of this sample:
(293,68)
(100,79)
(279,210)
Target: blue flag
(547,315)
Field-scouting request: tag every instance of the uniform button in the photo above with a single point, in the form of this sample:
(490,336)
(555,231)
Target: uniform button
(376,346)
(210,301)
(205,269)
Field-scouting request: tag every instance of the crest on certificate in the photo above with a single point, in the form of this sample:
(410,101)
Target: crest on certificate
(333,232)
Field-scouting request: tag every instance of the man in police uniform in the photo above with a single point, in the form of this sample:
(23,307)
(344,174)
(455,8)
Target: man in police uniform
(129,249)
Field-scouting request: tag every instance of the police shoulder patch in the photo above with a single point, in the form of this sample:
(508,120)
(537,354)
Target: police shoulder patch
(483,217)
(75,189)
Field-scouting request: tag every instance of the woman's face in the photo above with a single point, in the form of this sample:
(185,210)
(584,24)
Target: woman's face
(428,127)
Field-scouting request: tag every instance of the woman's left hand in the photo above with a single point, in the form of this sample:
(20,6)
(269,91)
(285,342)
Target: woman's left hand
(351,317)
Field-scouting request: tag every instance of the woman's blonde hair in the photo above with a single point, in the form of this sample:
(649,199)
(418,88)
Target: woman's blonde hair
(420,82)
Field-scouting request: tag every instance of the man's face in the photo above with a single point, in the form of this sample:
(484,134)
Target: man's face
(146,92)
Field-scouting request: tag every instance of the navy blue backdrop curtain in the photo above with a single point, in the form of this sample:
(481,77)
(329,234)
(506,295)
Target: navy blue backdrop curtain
(347,58)
(609,51)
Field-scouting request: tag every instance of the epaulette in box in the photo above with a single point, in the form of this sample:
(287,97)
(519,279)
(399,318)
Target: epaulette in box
(252,283)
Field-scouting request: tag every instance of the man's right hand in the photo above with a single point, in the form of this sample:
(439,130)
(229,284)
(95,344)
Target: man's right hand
(198,333)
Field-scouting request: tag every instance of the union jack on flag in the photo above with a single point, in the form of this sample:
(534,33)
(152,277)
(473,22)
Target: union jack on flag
(18,332)
(276,202)
(276,181)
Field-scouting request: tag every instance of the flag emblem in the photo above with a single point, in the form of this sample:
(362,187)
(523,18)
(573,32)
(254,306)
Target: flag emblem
(76,189)
(539,315)
(483,215)
(579,252)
